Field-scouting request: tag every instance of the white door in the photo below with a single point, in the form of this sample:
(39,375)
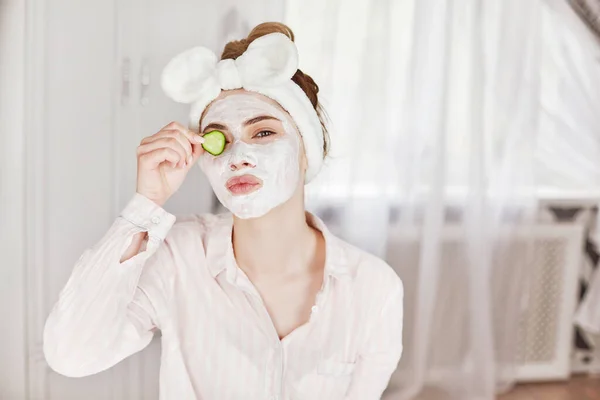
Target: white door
(94,76)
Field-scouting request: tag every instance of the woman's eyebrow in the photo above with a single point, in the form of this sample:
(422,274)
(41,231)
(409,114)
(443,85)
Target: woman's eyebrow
(214,126)
(258,119)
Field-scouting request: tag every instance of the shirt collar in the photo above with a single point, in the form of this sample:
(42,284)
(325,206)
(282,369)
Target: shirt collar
(220,256)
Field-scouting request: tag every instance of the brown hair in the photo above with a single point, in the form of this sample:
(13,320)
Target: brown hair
(236,48)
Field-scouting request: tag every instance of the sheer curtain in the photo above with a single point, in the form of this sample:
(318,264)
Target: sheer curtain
(438,143)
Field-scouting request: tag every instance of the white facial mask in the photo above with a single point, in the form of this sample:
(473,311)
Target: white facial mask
(275,162)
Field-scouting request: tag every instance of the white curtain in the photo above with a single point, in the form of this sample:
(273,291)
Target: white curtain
(439,127)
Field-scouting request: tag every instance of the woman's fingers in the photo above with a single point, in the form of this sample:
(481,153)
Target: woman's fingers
(166,142)
(195,141)
(192,136)
(188,138)
(173,134)
(154,158)
(196,144)
(197,151)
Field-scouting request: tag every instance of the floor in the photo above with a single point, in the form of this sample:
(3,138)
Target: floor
(578,388)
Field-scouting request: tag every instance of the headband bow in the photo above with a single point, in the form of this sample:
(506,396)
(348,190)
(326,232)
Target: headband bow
(196,77)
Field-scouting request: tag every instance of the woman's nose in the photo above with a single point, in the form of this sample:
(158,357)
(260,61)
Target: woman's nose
(241,164)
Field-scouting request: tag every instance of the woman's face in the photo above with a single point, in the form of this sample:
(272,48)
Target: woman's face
(262,163)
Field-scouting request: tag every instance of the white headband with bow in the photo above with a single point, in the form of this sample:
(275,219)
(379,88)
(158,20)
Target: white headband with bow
(196,77)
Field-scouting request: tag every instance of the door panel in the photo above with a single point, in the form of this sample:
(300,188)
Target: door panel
(101,95)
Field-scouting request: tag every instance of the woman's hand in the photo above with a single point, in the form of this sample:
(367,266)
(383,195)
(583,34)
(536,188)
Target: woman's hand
(164,159)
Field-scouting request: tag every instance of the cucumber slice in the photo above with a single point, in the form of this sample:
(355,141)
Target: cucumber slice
(214,142)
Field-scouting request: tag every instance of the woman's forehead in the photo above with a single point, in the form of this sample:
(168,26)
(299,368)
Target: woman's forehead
(237,106)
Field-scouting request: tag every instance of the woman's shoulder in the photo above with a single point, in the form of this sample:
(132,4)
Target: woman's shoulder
(370,273)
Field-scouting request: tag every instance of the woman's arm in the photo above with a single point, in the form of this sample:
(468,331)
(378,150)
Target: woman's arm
(107,310)
(381,353)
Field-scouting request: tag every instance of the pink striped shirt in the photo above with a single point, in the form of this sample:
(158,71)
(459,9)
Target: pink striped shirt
(218,341)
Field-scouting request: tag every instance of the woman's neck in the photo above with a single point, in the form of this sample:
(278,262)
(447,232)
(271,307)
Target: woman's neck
(281,241)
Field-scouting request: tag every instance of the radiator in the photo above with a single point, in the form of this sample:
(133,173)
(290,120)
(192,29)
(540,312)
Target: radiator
(545,328)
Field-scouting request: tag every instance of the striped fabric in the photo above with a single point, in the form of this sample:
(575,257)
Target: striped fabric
(218,341)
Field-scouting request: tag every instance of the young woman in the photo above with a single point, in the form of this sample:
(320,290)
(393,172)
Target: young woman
(262,303)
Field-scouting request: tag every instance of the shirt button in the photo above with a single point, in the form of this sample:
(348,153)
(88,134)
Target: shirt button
(155,219)
(315,309)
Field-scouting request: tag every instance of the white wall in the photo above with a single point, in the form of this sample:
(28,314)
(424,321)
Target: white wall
(67,158)
(12,232)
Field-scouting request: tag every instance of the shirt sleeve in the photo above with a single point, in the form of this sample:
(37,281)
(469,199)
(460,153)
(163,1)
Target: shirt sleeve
(381,351)
(107,309)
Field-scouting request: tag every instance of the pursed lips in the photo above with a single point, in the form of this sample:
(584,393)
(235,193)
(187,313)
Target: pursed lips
(240,185)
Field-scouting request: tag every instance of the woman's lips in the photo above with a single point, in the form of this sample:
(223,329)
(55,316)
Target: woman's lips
(244,184)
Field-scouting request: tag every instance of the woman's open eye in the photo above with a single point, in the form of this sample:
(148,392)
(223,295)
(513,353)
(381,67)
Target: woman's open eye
(263,134)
